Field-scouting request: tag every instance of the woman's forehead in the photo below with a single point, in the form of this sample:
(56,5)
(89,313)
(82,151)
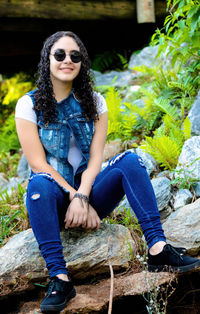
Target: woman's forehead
(66,43)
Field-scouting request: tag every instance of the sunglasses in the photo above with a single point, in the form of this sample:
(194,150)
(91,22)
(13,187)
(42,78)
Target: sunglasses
(60,55)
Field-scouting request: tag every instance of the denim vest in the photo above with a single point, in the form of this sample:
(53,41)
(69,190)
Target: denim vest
(55,136)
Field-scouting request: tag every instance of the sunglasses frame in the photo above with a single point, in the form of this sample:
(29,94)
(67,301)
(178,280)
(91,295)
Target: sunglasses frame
(62,52)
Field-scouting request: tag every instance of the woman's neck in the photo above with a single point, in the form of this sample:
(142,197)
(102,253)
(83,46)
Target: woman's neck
(61,90)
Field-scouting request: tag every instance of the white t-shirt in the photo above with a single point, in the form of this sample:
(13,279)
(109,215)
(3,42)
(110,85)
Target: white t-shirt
(24,110)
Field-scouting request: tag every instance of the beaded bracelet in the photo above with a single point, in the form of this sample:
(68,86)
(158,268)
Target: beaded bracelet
(81,196)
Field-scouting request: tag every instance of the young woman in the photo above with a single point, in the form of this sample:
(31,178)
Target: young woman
(62,127)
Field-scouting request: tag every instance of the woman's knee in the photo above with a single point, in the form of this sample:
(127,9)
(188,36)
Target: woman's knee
(38,185)
(125,158)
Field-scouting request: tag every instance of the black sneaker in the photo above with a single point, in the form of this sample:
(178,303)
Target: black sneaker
(58,294)
(173,260)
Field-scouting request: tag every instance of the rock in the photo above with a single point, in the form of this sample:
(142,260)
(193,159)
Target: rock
(94,298)
(23,170)
(164,214)
(182,227)
(87,253)
(114,78)
(147,57)
(162,190)
(182,198)
(149,161)
(3,182)
(189,159)
(166,173)
(197,189)
(194,116)
(13,184)
(111,149)
(129,96)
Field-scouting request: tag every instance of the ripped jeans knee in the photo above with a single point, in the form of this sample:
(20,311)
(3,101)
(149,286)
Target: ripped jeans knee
(35,196)
(129,156)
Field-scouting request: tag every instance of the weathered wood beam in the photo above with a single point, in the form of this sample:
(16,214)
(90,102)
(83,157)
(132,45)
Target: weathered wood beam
(74,9)
(64,9)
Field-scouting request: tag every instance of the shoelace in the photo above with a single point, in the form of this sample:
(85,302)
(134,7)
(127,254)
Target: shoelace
(174,252)
(51,286)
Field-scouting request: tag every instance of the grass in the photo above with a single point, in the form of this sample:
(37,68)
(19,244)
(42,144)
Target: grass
(9,163)
(127,218)
(13,214)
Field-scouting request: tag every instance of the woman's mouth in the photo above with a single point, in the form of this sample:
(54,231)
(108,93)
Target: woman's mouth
(66,70)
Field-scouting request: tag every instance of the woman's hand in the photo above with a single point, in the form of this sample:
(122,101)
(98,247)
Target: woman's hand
(76,214)
(93,221)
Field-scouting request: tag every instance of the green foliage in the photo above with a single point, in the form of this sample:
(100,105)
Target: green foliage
(9,164)
(180,39)
(127,218)
(120,124)
(13,217)
(184,176)
(9,139)
(169,138)
(109,60)
(11,89)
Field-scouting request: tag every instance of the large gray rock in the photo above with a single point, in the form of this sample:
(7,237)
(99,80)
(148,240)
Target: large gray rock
(118,79)
(194,116)
(3,182)
(182,227)
(162,190)
(149,161)
(23,169)
(87,253)
(182,198)
(197,189)
(189,159)
(146,56)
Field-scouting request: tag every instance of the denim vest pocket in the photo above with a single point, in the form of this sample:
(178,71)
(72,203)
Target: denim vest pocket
(86,127)
(49,135)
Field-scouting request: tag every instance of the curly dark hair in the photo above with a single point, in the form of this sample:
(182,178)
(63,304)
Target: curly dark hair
(82,84)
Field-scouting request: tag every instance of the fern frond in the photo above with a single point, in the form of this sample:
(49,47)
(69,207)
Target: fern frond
(135,109)
(187,128)
(164,105)
(163,149)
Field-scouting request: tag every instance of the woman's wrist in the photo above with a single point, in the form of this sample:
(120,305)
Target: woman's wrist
(81,196)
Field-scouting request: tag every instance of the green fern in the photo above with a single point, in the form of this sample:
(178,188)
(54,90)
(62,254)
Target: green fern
(186,128)
(163,149)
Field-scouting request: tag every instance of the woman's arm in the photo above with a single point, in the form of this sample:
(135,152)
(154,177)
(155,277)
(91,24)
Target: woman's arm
(75,217)
(35,154)
(96,154)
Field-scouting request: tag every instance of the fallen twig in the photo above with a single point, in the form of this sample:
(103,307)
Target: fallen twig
(111,289)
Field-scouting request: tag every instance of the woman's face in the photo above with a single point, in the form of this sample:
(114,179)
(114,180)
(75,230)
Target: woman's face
(64,71)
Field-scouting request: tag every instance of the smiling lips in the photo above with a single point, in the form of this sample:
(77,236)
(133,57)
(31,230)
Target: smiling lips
(67,69)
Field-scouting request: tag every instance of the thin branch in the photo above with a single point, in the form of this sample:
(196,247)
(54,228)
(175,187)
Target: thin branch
(111,289)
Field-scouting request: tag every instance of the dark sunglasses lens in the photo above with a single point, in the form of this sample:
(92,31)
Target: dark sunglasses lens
(76,56)
(59,55)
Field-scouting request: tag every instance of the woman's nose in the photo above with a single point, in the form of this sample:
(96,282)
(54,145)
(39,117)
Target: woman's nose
(67,58)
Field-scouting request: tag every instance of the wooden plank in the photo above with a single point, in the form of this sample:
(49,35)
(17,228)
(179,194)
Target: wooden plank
(145,11)
(70,10)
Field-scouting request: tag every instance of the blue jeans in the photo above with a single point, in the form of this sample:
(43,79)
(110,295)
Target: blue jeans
(125,175)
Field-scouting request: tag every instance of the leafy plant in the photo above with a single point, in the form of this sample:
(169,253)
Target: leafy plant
(120,124)
(109,60)
(11,89)
(169,138)
(180,39)
(13,217)
(183,176)
(9,164)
